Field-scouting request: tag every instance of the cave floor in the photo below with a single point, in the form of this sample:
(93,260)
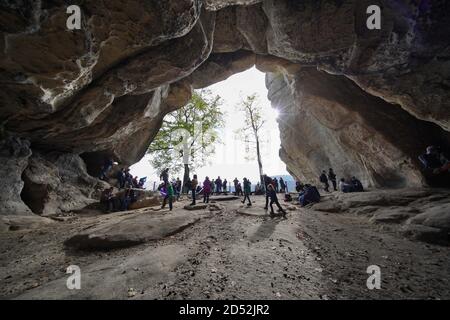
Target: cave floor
(232,253)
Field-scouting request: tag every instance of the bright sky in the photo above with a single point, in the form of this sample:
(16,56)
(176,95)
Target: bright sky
(229,158)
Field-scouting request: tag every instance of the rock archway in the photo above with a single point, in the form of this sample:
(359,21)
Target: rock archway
(363,101)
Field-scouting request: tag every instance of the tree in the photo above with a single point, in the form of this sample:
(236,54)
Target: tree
(253,123)
(188,135)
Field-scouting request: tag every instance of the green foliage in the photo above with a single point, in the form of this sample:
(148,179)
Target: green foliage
(201,120)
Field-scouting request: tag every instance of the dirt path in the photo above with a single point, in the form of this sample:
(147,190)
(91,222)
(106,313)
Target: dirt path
(310,255)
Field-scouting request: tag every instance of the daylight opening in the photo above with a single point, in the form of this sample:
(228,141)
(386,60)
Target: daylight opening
(233,152)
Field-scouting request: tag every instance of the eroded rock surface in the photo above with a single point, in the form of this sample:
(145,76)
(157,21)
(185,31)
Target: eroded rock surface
(121,230)
(421,214)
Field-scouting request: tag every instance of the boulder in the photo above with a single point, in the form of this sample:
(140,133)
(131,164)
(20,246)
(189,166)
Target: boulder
(19,222)
(120,231)
(145,202)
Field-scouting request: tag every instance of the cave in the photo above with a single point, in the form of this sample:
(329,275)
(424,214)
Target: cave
(34,195)
(366,102)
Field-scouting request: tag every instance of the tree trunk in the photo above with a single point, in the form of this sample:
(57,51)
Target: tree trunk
(258,154)
(185,178)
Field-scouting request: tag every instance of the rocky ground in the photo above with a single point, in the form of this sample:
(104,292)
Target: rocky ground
(229,251)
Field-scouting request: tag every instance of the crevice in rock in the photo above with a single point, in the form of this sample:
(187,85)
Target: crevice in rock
(34,195)
(95,160)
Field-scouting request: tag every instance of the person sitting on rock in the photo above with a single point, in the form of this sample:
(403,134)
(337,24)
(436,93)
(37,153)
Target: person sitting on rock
(107,198)
(357,185)
(287,197)
(299,186)
(309,195)
(435,161)
(274,199)
(345,187)
(324,179)
(168,197)
(247,191)
(206,190)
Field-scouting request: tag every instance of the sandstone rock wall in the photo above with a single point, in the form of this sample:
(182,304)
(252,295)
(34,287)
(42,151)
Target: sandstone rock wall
(327,121)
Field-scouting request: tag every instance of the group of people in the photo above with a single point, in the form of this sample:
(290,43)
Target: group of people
(434,162)
(171,189)
(436,166)
(120,201)
(123,176)
(125,179)
(353,185)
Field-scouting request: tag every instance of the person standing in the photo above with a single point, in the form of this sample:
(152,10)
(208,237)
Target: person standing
(128,198)
(239,189)
(236,182)
(274,199)
(282,185)
(267,182)
(332,178)
(206,190)
(169,196)
(275,184)
(121,178)
(247,191)
(128,177)
(194,183)
(164,176)
(323,178)
(225,186)
(178,188)
(107,198)
(218,185)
